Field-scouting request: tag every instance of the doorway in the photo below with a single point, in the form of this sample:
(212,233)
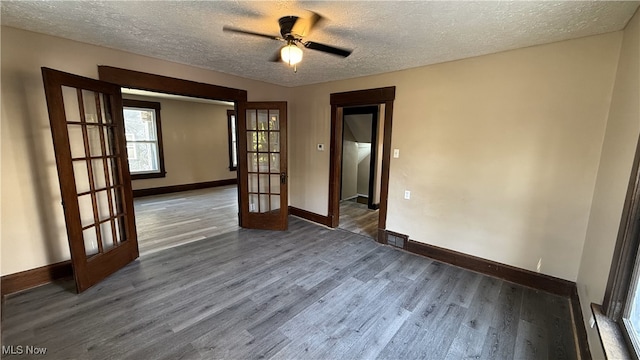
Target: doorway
(183,170)
(346,103)
(360,172)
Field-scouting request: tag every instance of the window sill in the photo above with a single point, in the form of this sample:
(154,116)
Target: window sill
(611,337)
(148,176)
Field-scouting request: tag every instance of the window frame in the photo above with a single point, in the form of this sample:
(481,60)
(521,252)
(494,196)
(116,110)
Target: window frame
(625,265)
(142,104)
(232,123)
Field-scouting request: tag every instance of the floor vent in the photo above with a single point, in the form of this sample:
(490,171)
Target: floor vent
(397,240)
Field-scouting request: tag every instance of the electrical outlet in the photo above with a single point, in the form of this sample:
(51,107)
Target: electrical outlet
(407,194)
(396,153)
(539,265)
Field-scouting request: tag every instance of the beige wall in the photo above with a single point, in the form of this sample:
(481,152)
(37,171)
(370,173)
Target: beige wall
(616,160)
(32,225)
(195,141)
(500,152)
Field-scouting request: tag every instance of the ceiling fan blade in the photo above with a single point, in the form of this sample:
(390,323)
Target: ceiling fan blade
(328,49)
(303,27)
(245,32)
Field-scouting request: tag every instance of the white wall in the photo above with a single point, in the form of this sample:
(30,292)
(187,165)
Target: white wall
(364,168)
(623,127)
(32,225)
(500,152)
(349,165)
(195,142)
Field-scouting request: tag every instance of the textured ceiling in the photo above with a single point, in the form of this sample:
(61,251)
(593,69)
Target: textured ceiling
(385,35)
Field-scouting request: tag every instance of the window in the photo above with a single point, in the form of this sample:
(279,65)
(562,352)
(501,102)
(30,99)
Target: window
(144,139)
(233,148)
(622,297)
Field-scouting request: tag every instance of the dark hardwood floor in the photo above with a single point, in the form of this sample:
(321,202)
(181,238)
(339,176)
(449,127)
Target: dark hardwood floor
(164,221)
(306,293)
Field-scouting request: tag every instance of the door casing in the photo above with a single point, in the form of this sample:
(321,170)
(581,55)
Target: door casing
(386,96)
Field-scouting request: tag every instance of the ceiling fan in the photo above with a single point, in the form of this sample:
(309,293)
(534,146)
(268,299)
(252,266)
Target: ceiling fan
(292,30)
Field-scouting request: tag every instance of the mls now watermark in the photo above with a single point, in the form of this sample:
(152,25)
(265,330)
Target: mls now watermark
(23,350)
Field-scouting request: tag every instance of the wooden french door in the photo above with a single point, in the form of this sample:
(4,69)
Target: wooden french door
(262,165)
(89,142)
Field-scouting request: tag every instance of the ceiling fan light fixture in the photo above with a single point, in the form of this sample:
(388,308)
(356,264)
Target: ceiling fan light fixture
(291,54)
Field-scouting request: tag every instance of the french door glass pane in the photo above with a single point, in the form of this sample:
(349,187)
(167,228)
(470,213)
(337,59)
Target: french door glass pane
(275,163)
(93,134)
(99,178)
(263,119)
(85,203)
(102,201)
(251,120)
(252,162)
(252,141)
(264,203)
(253,182)
(275,202)
(90,109)
(264,183)
(71,107)
(108,140)
(76,141)
(263,141)
(107,235)
(274,120)
(275,184)
(90,241)
(253,203)
(274,142)
(81,175)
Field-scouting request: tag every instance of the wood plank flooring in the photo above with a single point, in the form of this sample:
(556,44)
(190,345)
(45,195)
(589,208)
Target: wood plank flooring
(306,293)
(358,218)
(164,221)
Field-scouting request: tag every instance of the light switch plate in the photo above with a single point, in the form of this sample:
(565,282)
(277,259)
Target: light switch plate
(320,147)
(396,153)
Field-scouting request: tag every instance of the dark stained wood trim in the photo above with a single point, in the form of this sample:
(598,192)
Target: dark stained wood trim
(626,248)
(165,84)
(578,325)
(363,97)
(338,101)
(514,274)
(183,187)
(308,215)
(27,279)
(335,163)
(386,161)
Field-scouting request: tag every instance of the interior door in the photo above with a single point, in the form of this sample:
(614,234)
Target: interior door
(262,167)
(89,142)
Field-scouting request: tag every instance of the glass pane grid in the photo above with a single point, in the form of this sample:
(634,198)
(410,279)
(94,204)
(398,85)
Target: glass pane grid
(263,160)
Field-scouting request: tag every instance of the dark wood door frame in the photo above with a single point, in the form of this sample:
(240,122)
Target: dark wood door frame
(338,101)
(151,82)
(365,110)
